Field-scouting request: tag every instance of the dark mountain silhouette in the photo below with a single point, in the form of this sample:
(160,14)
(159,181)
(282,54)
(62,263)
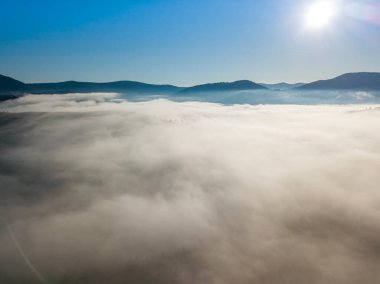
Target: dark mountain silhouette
(11,88)
(88,87)
(220,87)
(281,86)
(8,84)
(350,81)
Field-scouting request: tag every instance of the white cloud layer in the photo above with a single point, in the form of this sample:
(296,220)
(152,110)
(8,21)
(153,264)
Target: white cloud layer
(99,190)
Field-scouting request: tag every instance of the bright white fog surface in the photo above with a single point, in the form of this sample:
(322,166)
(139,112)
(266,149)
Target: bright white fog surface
(99,190)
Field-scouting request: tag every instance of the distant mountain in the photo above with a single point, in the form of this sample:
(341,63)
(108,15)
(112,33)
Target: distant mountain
(220,87)
(350,81)
(8,84)
(88,87)
(11,88)
(282,86)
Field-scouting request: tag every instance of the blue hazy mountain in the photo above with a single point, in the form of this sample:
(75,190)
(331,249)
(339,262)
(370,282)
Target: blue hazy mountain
(243,91)
(89,87)
(11,88)
(242,85)
(281,86)
(8,84)
(350,81)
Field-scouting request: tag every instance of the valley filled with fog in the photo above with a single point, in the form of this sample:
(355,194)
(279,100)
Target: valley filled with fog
(255,97)
(224,188)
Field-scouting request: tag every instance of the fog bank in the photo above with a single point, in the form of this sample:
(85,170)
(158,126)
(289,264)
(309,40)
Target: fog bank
(95,189)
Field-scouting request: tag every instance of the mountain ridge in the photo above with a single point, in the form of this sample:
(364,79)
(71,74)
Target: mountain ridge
(239,85)
(11,88)
(364,81)
(8,84)
(87,87)
(281,86)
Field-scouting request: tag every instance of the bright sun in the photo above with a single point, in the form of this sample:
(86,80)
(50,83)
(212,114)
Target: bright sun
(320,14)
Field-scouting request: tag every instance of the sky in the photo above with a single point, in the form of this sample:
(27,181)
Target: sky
(185,42)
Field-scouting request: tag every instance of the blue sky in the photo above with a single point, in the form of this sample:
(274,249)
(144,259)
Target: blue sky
(182,42)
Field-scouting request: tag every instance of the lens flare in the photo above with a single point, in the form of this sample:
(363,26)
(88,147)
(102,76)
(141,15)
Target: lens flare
(369,11)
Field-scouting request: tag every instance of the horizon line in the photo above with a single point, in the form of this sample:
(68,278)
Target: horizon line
(175,85)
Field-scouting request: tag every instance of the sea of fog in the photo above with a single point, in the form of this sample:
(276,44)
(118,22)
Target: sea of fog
(98,189)
(267,97)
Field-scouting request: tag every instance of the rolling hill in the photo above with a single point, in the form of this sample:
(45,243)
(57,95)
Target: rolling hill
(89,87)
(11,88)
(350,81)
(221,87)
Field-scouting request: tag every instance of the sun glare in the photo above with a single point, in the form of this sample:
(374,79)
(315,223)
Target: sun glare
(320,14)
